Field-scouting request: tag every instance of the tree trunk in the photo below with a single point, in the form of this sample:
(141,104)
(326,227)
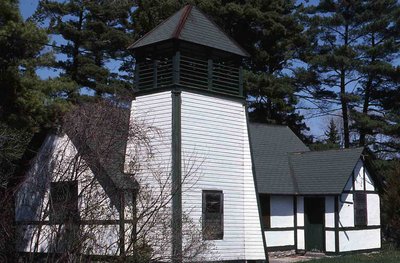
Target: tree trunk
(367,95)
(343,97)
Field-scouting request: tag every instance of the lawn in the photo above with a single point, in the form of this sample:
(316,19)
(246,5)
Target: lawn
(385,256)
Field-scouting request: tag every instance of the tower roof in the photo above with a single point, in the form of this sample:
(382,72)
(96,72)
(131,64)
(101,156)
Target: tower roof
(191,25)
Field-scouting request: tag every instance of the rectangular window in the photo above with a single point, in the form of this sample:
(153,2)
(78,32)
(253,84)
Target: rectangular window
(64,202)
(360,209)
(265,210)
(213,215)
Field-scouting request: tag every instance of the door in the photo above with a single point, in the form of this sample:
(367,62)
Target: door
(314,214)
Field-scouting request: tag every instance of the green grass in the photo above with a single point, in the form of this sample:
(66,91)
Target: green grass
(384,256)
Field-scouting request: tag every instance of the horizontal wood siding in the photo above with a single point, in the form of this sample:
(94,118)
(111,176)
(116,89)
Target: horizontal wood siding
(254,248)
(216,142)
(155,112)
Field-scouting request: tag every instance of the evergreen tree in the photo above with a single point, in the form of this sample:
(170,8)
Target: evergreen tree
(379,50)
(332,135)
(93,33)
(391,203)
(350,59)
(268,30)
(26,101)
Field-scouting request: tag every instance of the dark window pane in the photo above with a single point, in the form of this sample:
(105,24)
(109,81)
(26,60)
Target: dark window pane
(63,202)
(360,209)
(212,215)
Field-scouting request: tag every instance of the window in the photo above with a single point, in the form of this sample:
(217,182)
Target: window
(213,215)
(265,210)
(360,209)
(63,202)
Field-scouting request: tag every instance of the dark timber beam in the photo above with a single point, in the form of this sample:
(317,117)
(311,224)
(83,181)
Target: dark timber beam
(336,224)
(176,178)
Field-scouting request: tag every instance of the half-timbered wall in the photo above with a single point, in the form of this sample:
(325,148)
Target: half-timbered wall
(281,233)
(340,235)
(98,209)
(352,237)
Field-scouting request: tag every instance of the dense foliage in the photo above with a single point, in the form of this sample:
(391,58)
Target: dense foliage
(92,33)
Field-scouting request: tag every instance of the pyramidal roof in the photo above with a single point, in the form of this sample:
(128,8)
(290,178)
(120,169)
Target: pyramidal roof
(192,25)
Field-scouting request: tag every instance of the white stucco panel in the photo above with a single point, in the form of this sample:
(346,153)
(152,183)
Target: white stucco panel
(282,211)
(330,241)
(300,211)
(279,238)
(300,239)
(346,210)
(330,211)
(374,215)
(359,240)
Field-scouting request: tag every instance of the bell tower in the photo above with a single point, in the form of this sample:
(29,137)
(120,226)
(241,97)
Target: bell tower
(189,51)
(189,82)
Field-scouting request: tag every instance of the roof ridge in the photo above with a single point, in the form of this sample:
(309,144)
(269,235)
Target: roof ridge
(330,150)
(148,33)
(223,32)
(182,21)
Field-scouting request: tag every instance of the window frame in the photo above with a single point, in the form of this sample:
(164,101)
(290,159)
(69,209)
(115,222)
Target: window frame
(360,213)
(212,235)
(69,211)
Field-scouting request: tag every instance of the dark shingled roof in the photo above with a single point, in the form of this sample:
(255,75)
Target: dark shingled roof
(270,145)
(191,25)
(284,165)
(324,172)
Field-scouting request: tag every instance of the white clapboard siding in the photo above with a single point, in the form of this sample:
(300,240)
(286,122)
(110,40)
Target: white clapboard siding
(153,113)
(214,131)
(254,248)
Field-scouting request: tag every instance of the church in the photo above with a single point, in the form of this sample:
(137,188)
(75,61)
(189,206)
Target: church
(245,188)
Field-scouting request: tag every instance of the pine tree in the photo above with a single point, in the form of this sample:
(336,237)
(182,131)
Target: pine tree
(332,135)
(391,203)
(379,51)
(93,33)
(26,101)
(350,59)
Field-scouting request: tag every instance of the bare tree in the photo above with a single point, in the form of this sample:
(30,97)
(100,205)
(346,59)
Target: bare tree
(82,201)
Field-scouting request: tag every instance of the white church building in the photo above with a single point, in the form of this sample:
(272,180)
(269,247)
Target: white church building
(253,187)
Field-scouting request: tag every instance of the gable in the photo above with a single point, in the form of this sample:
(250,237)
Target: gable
(323,172)
(283,164)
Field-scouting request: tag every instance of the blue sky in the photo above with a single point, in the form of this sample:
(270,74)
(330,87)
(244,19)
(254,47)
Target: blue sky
(28,7)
